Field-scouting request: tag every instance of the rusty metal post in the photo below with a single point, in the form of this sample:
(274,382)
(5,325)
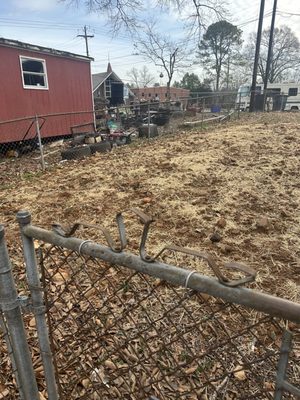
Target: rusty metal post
(24,219)
(11,310)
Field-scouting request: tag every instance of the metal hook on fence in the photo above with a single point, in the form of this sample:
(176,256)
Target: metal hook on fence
(57,228)
(250,274)
(147,221)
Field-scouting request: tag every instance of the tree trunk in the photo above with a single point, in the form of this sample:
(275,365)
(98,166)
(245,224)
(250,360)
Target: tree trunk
(218,81)
(168,94)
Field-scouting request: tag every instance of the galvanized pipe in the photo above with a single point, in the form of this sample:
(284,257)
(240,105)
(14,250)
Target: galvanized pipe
(38,305)
(281,384)
(11,310)
(268,304)
(38,133)
(11,355)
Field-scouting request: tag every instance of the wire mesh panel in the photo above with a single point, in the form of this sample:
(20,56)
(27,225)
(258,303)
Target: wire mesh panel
(124,335)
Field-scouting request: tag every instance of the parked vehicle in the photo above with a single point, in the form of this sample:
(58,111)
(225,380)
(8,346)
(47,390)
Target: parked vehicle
(284,96)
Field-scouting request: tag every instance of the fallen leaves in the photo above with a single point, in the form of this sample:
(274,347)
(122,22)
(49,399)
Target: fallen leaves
(239,373)
(228,178)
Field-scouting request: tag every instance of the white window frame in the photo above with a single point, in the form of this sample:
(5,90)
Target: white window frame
(44,74)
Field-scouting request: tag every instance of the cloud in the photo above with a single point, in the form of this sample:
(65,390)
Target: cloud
(34,5)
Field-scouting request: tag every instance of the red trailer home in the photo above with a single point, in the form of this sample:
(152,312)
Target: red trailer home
(36,80)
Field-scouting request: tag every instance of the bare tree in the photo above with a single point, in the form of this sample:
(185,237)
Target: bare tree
(126,12)
(133,75)
(293,75)
(165,53)
(145,77)
(119,12)
(199,14)
(140,78)
(285,57)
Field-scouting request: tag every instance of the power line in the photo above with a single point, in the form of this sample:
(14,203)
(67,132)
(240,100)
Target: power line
(247,22)
(117,58)
(53,25)
(288,13)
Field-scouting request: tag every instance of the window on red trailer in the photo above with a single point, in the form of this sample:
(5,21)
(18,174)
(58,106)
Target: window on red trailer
(34,73)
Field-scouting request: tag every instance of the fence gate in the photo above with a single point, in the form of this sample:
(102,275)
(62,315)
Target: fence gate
(113,325)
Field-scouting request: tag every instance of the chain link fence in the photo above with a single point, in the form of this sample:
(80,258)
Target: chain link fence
(45,140)
(104,323)
(122,334)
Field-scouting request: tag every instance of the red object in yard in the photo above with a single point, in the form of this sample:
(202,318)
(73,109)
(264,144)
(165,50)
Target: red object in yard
(118,137)
(37,80)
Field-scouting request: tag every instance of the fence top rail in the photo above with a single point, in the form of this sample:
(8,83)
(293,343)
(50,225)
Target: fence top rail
(46,115)
(271,305)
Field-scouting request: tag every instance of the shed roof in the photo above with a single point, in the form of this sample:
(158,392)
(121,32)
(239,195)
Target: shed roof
(99,78)
(40,49)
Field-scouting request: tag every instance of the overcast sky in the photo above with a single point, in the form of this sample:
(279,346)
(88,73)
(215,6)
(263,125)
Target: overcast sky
(51,23)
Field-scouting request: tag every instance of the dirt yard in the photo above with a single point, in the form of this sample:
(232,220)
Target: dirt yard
(239,179)
(231,190)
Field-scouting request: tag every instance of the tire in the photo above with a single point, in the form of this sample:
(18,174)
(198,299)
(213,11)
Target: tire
(77,140)
(161,119)
(76,153)
(102,147)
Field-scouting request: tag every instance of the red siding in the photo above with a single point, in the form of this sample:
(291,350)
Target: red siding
(69,82)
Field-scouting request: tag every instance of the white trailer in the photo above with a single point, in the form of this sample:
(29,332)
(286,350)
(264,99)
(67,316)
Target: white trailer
(290,91)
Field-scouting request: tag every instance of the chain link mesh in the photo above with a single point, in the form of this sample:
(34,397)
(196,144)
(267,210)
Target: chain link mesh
(124,335)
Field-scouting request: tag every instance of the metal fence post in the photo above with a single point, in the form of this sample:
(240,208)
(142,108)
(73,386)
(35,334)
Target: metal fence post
(11,310)
(24,218)
(3,328)
(202,112)
(281,384)
(148,121)
(38,132)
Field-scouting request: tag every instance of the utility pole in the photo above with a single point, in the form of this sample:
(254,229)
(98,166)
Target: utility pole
(255,67)
(86,37)
(270,51)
